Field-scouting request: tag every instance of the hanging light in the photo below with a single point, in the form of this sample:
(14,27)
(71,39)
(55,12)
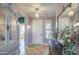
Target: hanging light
(71,13)
(37,15)
(37,12)
(77,24)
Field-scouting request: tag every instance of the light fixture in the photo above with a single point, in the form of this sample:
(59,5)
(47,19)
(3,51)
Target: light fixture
(37,12)
(37,15)
(77,24)
(36,9)
(71,13)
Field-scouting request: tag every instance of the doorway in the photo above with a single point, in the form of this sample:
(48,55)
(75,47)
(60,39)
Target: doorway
(37,31)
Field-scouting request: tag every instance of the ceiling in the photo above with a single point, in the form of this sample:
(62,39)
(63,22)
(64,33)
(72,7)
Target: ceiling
(29,9)
(45,10)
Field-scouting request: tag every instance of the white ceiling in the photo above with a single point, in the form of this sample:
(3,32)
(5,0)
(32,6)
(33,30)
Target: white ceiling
(45,10)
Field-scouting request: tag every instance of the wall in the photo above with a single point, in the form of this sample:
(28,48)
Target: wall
(28,32)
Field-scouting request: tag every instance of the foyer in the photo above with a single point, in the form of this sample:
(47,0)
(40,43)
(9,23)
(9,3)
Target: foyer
(39,28)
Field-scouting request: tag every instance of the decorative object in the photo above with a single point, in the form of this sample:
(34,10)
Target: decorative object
(69,35)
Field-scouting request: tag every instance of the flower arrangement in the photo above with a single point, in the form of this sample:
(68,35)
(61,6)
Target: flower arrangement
(69,36)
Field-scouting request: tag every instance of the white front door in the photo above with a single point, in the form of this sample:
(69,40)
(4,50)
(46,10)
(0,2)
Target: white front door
(37,32)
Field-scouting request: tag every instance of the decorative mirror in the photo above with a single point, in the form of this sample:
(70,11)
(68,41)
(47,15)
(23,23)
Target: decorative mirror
(2,37)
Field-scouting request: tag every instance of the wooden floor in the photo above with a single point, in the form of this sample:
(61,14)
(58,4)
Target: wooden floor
(37,49)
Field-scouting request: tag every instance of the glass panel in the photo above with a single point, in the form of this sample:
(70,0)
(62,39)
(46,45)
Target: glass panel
(48,29)
(48,34)
(48,25)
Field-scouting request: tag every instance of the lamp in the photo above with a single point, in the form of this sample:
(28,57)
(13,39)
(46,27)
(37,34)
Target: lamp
(77,24)
(37,12)
(71,13)
(37,15)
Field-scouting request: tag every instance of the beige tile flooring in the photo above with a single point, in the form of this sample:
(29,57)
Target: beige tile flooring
(37,49)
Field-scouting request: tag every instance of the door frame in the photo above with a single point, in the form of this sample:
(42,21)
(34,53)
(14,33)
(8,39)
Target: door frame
(42,30)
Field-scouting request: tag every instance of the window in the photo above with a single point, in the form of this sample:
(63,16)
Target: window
(48,29)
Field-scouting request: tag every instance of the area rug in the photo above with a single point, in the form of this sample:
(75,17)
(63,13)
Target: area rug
(37,49)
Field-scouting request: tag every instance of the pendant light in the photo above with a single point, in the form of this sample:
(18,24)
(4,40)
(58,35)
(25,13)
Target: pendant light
(37,13)
(71,13)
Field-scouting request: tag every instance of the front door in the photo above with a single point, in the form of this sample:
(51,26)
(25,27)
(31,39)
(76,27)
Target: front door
(37,31)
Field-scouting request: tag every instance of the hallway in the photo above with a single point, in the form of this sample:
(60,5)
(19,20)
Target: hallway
(39,28)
